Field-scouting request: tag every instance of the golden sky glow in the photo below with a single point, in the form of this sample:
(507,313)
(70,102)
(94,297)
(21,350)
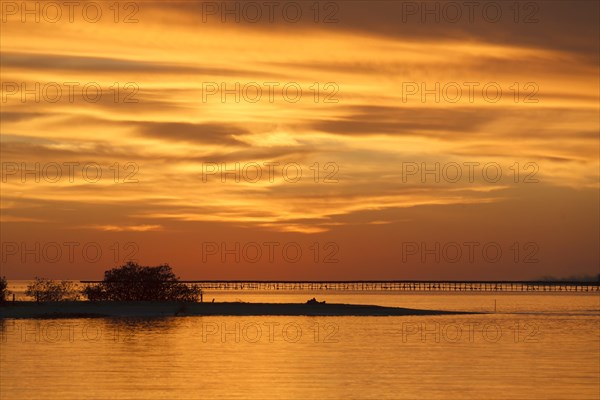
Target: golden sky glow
(367,131)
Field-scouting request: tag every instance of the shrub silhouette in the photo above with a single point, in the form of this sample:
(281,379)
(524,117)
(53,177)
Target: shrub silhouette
(3,289)
(132,282)
(48,290)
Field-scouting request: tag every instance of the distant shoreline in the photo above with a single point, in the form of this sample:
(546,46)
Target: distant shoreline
(100,309)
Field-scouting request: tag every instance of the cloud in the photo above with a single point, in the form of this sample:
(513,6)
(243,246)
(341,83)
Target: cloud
(375,120)
(211,133)
(565,26)
(127,228)
(81,64)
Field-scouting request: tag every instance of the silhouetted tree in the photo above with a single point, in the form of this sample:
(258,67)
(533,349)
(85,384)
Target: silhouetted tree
(48,290)
(3,289)
(133,282)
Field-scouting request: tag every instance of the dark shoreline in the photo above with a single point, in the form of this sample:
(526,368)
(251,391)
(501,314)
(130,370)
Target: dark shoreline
(100,309)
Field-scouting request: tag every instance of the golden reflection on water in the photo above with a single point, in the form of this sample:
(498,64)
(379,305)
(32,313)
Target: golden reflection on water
(496,356)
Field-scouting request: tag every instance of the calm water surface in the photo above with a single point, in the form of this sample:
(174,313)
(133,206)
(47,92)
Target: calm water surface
(535,346)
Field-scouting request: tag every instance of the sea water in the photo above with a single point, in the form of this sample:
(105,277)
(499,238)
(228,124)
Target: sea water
(534,346)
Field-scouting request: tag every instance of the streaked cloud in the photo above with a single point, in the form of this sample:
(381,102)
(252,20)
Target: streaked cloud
(354,121)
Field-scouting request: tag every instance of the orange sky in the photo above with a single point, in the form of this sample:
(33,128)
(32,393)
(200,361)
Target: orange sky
(398,93)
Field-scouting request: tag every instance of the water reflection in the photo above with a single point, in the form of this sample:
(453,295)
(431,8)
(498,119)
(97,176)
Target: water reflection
(504,355)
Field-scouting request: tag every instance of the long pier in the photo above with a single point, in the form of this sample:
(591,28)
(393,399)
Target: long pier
(400,286)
